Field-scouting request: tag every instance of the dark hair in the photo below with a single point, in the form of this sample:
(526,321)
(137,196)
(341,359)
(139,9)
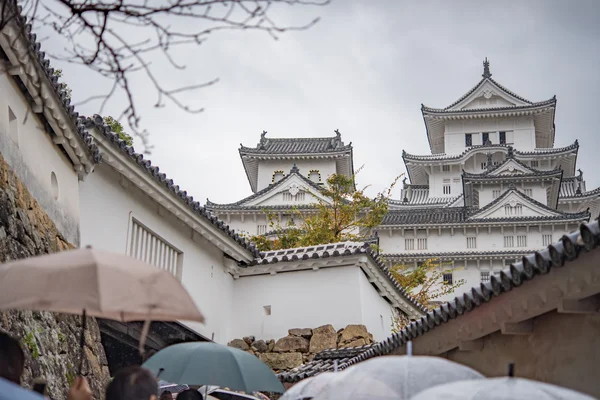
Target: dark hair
(12,358)
(132,383)
(166,395)
(189,394)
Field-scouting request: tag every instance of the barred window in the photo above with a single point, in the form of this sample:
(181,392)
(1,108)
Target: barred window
(409,244)
(502,137)
(471,243)
(484,276)
(446,168)
(448,278)
(496,193)
(546,240)
(528,192)
(509,241)
(485,137)
(149,247)
(422,244)
(261,229)
(468,139)
(535,164)
(521,241)
(517,209)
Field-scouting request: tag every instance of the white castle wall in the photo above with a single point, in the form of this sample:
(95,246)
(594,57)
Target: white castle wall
(520,132)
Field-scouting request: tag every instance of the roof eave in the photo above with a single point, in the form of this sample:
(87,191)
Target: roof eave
(45,100)
(119,161)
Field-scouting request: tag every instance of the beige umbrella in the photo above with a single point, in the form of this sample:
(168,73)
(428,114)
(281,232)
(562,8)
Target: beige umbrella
(98,284)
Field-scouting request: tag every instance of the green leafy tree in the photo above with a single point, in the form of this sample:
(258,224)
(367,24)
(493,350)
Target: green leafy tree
(117,128)
(425,284)
(66,89)
(115,125)
(348,215)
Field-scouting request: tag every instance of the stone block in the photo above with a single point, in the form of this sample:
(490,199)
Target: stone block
(261,346)
(281,361)
(354,343)
(303,332)
(352,333)
(249,340)
(239,344)
(324,337)
(291,344)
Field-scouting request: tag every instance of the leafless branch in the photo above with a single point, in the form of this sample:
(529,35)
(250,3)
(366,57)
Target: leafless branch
(104,36)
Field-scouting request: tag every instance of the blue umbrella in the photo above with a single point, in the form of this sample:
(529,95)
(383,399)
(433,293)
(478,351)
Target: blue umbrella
(207,363)
(10,391)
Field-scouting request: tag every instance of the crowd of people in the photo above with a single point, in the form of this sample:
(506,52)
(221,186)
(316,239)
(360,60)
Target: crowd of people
(129,383)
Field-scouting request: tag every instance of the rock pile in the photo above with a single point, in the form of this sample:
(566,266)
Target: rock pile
(301,345)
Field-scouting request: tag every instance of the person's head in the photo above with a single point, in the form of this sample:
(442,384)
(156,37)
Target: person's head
(12,358)
(166,395)
(189,394)
(132,383)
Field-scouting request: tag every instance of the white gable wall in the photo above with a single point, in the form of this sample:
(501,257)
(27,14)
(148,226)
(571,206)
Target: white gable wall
(106,211)
(376,312)
(519,130)
(307,299)
(29,150)
(487,192)
(266,168)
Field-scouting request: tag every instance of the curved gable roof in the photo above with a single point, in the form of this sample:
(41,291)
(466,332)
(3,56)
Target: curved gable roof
(243,203)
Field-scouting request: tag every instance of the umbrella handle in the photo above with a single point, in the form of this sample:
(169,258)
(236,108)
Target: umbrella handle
(143,337)
(82,342)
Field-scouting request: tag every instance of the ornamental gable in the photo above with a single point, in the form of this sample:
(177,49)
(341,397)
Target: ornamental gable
(293,191)
(488,95)
(512,168)
(514,204)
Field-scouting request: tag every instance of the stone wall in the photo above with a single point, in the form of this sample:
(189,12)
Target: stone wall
(50,341)
(301,345)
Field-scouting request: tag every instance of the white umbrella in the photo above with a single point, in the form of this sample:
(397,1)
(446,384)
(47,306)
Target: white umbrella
(500,389)
(394,377)
(309,387)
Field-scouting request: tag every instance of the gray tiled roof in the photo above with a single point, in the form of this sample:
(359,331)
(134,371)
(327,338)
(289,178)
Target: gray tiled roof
(557,255)
(98,123)
(419,195)
(323,361)
(333,250)
(537,152)
(570,188)
(426,109)
(459,215)
(241,204)
(453,254)
(425,216)
(60,92)
(297,146)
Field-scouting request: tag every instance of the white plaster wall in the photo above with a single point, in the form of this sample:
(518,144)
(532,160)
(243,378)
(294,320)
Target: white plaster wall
(34,157)
(306,299)
(246,225)
(376,312)
(522,129)
(266,168)
(486,193)
(106,209)
(494,241)
(457,241)
(436,184)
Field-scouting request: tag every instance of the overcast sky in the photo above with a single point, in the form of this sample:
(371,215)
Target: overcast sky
(365,69)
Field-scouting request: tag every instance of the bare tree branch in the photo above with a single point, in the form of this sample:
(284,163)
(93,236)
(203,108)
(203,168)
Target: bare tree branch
(103,35)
